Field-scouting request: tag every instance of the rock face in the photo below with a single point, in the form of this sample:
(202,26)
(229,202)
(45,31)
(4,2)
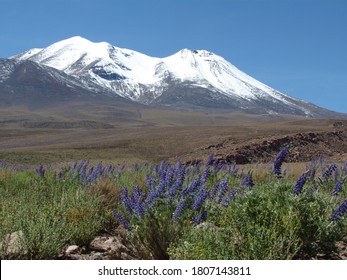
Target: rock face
(303,147)
(13,245)
(105,247)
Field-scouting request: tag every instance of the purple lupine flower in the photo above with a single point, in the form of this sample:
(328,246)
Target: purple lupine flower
(79,167)
(122,220)
(311,170)
(74,164)
(150,181)
(85,164)
(213,190)
(91,177)
(188,169)
(179,210)
(137,193)
(178,165)
(136,167)
(162,175)
(327,173)
(180,174)
(83,170)
(137,201)
(223,187)
(247,182)
(202,216)
(312,174)
(161,188)
(344,170)
(205,175)
(162,166)
(314,188)
(98,170)
(60,175)
(169,176)
(281,156)
(320,160)
(126,200)
(225,166)
(217,166)
(139,208)
(121,168)
(156,169)
(41,171)
(90,171)
(200,199)
(71,173)
(300,184)
(233,169)
(209,160)
(151,198)
(228,197)
(174,188)
(83,174)
(109,169)
(338,187)
(340,211)
(191,187)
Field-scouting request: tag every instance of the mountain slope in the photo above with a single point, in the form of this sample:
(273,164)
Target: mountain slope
(188,79)
(36,85)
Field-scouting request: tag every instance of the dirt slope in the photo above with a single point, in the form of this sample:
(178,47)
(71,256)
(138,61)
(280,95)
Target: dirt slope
(303,147)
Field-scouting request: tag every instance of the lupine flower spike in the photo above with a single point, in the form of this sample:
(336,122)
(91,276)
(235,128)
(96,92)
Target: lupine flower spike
(200,218)
(340,211)
(327,173)
(179,211)
(338,187)
(223,187)
(200,199)
(247,182)
(278,162)
(41,171)
(122,220)
(300,184)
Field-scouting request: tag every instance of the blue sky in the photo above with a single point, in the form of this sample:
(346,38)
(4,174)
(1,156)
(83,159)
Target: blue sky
(296,46)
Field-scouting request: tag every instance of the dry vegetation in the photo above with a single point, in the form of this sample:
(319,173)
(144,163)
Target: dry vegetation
(129,136)
(162,135)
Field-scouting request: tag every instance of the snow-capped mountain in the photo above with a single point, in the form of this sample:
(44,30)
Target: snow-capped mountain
(186,79)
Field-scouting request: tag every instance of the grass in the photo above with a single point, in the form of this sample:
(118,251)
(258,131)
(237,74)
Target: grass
(206,211)
(49,214)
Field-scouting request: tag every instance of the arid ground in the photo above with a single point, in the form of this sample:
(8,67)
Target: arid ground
(129,135)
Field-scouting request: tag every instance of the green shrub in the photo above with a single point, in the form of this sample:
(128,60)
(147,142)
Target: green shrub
(49,214)
(211,211)
(153,233)
(270,222)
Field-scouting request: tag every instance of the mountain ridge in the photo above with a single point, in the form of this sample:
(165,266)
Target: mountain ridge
(188,79)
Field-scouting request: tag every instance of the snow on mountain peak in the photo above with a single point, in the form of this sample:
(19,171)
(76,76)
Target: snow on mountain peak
(140,77)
